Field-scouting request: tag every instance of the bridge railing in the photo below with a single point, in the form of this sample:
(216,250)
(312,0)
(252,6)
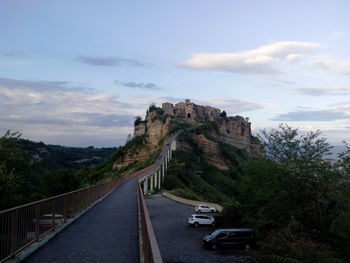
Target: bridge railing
(150,252)
(23,225)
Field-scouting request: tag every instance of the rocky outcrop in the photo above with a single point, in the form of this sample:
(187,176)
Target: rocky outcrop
(210,150)
(153,130)
(234,130)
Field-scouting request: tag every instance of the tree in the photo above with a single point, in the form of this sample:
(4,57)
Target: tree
(295,186)
(223,114)
(16,178)
(344,159)
(137,121)
(300,153)
(294,177)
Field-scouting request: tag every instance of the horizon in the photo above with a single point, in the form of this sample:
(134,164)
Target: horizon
(77,74)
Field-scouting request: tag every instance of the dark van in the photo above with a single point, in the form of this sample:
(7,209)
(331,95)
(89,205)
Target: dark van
(231,237)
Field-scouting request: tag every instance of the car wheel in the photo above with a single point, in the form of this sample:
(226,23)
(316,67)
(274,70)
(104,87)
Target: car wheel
(247,247)
(214,246)
(199,211)
(212,210)
(195,224)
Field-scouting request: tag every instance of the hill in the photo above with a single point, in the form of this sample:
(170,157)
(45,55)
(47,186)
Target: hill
(48,157)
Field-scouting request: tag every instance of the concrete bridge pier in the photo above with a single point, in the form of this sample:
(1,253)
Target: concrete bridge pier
(151,183)
(159,178)
(166,161)
(155,180)
(145,186)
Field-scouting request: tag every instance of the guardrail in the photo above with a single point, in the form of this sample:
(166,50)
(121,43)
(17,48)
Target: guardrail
(23,225)
(149,250)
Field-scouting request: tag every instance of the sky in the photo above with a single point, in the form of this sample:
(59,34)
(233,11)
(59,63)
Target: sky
(77,73)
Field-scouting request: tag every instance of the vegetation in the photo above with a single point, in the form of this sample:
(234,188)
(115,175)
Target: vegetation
(223,114)
(137,121)
(298,204)
(31,171)
(192,177)
(46,157)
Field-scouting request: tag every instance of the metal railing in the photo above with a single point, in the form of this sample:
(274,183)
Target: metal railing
(23,225)
(150,252)
(149,247)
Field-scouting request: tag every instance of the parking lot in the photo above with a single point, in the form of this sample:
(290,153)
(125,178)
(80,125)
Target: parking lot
(178,241)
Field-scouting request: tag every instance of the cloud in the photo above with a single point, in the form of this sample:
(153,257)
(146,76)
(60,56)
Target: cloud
(323,91)
(40,85)
(330,64)
(338,34)
(70,114)
(15,53)
(113,61)
(262,60)
(59,111)
(138,85)
(232,106)
(312,115)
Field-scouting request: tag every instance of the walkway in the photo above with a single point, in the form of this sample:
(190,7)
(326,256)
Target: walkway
(108,232)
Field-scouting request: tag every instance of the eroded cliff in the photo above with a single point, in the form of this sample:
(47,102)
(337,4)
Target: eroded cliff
(210,127)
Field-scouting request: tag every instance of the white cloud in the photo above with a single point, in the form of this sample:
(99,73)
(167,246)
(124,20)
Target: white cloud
(323,91)
(330,64)
(262,60)
(56,112)
(338,34)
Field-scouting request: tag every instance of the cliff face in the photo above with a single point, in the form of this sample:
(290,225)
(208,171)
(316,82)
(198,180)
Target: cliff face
(155,128)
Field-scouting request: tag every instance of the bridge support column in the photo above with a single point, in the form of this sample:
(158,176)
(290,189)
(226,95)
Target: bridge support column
(151,179)
(159,179)
(166,161)
(155,180)
(163,171)
(145,186)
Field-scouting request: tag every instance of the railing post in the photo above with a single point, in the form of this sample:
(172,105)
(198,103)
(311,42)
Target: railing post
(13,229)
(37,217)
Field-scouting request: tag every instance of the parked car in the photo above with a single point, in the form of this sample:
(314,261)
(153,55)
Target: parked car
(47,219)
(232,237)
(197,220)
(204,208)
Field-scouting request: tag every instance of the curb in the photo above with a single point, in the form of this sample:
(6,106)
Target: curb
(189,202)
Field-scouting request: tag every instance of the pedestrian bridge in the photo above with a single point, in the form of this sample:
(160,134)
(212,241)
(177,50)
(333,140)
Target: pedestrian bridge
(108,222)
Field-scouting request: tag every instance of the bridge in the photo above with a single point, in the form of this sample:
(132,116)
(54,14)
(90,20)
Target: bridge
(109,222)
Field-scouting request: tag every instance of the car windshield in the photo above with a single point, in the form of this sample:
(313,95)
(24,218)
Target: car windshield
(216,232)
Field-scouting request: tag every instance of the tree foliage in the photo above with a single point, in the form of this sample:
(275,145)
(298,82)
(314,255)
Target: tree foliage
(295,186)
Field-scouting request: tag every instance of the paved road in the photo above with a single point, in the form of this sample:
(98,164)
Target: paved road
(180,243)
(108,232)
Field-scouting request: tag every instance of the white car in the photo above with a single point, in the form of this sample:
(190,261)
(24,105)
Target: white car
(49,219)
(204,208)
(196,220)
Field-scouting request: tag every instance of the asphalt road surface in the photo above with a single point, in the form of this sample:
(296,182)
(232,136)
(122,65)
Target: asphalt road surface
(178,241)
(108,232)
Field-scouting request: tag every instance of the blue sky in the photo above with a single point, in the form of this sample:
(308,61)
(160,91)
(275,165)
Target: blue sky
(78,72)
